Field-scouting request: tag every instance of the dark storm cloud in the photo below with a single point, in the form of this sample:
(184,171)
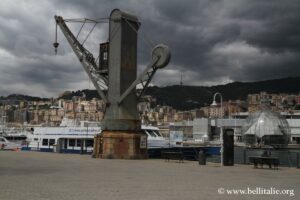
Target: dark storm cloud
(212,42)
(250,35)
(276,22)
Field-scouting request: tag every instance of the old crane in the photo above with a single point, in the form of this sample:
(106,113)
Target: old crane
(116,82)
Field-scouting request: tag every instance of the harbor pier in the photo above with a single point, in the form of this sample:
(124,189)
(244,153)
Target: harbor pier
(36,176)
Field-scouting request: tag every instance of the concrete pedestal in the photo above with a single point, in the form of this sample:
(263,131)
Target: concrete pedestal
(122,145)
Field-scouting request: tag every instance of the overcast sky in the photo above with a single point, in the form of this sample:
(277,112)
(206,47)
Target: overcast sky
(212,42)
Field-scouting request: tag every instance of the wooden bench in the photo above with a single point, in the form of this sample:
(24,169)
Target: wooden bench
(261,160)
(168,155)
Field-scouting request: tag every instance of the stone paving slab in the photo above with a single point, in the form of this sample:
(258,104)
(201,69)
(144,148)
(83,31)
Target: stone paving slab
(51,176)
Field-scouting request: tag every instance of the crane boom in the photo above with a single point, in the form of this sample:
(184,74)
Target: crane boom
(86,58)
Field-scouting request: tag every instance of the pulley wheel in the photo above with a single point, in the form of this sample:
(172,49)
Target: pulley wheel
(163,53)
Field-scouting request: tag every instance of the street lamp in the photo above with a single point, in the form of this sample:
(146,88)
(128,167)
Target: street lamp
(214,103)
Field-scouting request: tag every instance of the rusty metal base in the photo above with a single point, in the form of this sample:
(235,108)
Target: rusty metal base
(122,145)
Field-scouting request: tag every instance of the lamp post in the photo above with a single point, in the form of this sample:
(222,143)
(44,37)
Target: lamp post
(221,125)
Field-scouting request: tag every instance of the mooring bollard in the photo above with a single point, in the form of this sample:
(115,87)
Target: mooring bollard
(202,158)
(298,160)
(244,153)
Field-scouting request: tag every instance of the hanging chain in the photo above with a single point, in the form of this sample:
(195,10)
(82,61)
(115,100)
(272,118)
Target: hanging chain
(55,44)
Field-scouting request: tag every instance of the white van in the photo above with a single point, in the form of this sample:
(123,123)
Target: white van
(7,145)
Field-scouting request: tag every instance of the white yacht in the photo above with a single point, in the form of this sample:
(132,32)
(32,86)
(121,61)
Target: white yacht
(155,139)
(76,137)
(64,138)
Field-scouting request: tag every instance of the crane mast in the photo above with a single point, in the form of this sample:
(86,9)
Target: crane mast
(86,58)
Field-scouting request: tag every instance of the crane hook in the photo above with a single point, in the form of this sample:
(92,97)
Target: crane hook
(55,44)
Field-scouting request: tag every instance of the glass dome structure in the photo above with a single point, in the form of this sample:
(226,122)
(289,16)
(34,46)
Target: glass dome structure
(266,127)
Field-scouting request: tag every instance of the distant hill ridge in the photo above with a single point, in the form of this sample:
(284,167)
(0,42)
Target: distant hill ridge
(21,97)
(190,97)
